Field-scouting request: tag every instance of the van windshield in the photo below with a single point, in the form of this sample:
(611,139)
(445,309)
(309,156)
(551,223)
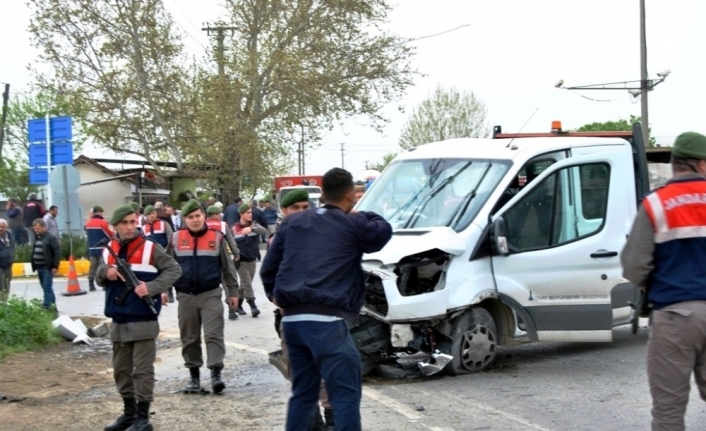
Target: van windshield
(433,192)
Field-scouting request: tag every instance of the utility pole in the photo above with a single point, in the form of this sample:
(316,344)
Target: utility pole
(343,166)
(3,119)
(644,83)
(220,31)
(301,152)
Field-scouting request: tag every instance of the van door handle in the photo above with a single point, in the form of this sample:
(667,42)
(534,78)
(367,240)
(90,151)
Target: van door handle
(603,253)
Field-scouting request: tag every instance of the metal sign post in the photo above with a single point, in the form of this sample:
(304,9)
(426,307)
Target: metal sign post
(48,128)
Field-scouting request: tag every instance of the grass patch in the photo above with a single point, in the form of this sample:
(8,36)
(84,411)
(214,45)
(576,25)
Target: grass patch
(25,325)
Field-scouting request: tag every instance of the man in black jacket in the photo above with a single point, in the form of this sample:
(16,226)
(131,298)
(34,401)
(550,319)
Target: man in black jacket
(7,257)
(46,255)
(312,271)
(259,217)
(32,210)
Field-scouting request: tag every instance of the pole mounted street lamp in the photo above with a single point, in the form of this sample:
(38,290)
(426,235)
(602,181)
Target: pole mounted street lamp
(636,88)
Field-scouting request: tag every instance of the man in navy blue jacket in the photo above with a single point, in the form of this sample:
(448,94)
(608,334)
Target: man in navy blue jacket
(312,271)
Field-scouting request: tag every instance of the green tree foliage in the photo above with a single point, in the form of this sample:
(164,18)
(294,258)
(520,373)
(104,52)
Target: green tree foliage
(288,64)
(448,113)
(616,126)
(120,65)
(14,163)
(293,64)
(386,159)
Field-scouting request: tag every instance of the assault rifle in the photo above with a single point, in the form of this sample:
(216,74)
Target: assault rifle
(131,281)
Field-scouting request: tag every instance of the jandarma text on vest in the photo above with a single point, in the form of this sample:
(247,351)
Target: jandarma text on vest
(685,199)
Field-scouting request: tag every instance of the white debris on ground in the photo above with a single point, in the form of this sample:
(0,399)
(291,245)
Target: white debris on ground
(72,330)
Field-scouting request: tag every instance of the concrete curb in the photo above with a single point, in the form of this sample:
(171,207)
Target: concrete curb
(25,269)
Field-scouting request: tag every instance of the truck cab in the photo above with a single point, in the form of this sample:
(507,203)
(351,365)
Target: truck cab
(500,241)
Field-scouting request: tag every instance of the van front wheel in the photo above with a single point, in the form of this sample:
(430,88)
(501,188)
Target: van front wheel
(474,342)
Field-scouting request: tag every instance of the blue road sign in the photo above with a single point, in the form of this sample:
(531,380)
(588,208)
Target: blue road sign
(60,129)
(38,177)
(61,154)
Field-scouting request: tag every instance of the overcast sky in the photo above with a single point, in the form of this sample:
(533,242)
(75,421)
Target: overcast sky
(511,56)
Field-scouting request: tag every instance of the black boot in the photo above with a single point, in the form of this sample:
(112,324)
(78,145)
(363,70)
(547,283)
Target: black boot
(127,418)
(216,383)
(253,307)
(195,381)
(318,422)
(240,310)
(91,285)
(328,415)
(142,423)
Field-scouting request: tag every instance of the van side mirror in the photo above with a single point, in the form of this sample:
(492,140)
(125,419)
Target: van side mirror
(500,237)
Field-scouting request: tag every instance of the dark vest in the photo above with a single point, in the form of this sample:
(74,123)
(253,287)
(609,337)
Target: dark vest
(139,253)
(249,245)
(199,255)
(678,214)
(157,232)
(96,229)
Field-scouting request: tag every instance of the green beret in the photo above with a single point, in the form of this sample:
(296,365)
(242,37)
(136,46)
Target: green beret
(298,195)
(243,208)
(135,206)
(213,209)
(690,145)
(189,207)
(149,209)
(120,213)
(97,209)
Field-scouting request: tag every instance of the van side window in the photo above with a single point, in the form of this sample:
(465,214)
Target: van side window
(568,205)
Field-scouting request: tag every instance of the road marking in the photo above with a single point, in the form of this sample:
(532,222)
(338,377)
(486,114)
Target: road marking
(395,405)
(374,395)
(247,348)
(507,416)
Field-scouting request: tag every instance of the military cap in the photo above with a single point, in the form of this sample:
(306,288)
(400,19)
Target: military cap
(690,145)
(213,209)
(243,208)
(189,207)
(298,195)
(149,209)
(97,209)
(135,206)
(120,212)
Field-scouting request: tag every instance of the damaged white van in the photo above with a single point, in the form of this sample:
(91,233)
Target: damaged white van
(500,241)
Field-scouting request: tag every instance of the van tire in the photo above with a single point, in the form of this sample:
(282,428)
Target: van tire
(474,342)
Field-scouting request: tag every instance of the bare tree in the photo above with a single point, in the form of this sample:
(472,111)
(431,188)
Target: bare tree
(446,114)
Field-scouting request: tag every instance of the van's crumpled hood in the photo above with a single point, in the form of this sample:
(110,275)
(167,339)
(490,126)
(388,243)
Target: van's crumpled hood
(406,242)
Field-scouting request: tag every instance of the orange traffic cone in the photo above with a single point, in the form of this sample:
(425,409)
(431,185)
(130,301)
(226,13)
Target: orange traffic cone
(73,288)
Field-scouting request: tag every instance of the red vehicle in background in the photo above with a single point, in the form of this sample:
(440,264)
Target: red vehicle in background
(312,184)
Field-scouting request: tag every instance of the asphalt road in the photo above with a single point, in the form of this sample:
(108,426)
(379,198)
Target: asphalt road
(539,387)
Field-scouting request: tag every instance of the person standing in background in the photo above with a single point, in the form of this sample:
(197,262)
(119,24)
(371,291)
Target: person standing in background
(270,216)
(259,218)
(32,210)
(46,255)
(247,233)
(50,220)
(231,214)
(97,230)
(159,231)
(15,221)
(7,258)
